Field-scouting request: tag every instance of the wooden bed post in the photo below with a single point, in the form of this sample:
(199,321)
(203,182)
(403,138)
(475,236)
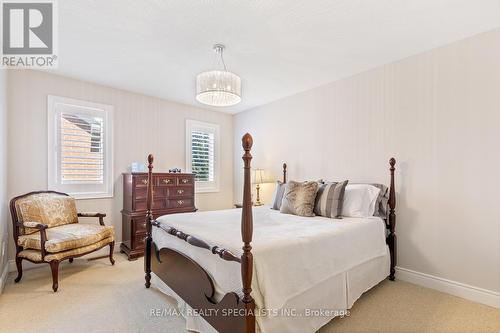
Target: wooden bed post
(246,236)
(284,173)
(149,218)
(391,239)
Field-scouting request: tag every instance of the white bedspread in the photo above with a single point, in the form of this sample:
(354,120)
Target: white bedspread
(291,253)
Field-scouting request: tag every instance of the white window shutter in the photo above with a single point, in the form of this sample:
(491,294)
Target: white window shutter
(80,147)
(202,154)
(202,150)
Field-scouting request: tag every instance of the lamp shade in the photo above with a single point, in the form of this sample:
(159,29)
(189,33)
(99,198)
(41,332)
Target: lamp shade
(218,88)
(258,176)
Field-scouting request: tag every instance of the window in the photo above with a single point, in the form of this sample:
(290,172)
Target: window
(202,154)
(80,148)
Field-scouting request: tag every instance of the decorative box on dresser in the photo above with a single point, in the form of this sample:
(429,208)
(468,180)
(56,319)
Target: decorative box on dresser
(172,193)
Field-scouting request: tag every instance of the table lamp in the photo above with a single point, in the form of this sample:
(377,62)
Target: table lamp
(258,179)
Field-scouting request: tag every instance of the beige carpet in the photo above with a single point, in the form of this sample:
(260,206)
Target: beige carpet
(96,297)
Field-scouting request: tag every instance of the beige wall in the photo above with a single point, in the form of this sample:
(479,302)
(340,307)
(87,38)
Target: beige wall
(4,217)
(142,125)
(438,113)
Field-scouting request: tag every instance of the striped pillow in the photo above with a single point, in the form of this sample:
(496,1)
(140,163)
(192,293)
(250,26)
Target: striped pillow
(278,195)
(329,199)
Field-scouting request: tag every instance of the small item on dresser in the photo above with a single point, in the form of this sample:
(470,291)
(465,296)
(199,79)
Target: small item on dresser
(138,167)
(299,198)
(174,170)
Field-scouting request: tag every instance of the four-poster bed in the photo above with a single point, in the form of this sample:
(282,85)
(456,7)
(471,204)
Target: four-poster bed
(232,311)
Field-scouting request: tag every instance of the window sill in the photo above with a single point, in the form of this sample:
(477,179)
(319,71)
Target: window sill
(90,196)
(206,190)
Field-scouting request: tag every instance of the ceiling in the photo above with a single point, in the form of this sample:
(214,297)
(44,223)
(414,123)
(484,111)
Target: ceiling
(279,48)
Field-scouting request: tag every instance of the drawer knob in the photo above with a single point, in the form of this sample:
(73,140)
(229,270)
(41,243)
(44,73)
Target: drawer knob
(180,191)
(185,181)
(180,202)
(145,181)
(167,181)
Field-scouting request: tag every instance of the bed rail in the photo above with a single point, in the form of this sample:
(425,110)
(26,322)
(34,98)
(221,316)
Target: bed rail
(223,253)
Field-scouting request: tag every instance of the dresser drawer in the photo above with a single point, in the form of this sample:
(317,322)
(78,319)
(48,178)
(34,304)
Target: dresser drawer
(140,182)
(158,203)
(139,241)
(141,193)
(180,203)
(185,180)
(180,191)
(165,180)
(160,192)
(139,225)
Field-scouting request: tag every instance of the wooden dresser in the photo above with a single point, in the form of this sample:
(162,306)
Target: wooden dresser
(172,193)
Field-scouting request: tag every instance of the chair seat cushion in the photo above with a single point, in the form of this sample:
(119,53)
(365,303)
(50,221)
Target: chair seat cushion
(36,255)
(67,237)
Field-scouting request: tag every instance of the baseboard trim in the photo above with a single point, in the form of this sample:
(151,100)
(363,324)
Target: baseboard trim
(472,293)
(3,277)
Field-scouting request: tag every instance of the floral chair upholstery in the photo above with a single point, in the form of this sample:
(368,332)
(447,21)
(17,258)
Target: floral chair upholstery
(47,230)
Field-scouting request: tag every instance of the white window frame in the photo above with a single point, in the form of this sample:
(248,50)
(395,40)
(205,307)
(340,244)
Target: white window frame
(204,186)
(79,191)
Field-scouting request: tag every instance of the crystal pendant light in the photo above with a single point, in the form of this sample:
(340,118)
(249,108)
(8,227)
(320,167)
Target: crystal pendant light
(218,87)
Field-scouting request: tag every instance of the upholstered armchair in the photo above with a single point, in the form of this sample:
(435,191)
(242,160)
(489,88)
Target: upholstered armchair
(47,230)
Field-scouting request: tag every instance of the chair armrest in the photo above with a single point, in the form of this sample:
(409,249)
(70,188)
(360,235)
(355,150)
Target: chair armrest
(43,234)
(32,224)
(101,216)
(93,214)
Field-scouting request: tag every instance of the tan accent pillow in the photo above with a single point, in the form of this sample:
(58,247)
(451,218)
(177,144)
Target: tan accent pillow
(299,198)
(46,208)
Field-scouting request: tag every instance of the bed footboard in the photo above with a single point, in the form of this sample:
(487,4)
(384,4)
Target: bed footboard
(193,284)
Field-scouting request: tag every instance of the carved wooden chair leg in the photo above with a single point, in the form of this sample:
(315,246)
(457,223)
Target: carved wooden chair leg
(111,250)
(70,260)
(54,266)
(19,269)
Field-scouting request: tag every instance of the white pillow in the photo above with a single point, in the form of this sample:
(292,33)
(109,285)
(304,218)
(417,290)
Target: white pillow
(359,200)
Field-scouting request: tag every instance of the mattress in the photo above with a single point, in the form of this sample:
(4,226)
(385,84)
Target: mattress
(293,255)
